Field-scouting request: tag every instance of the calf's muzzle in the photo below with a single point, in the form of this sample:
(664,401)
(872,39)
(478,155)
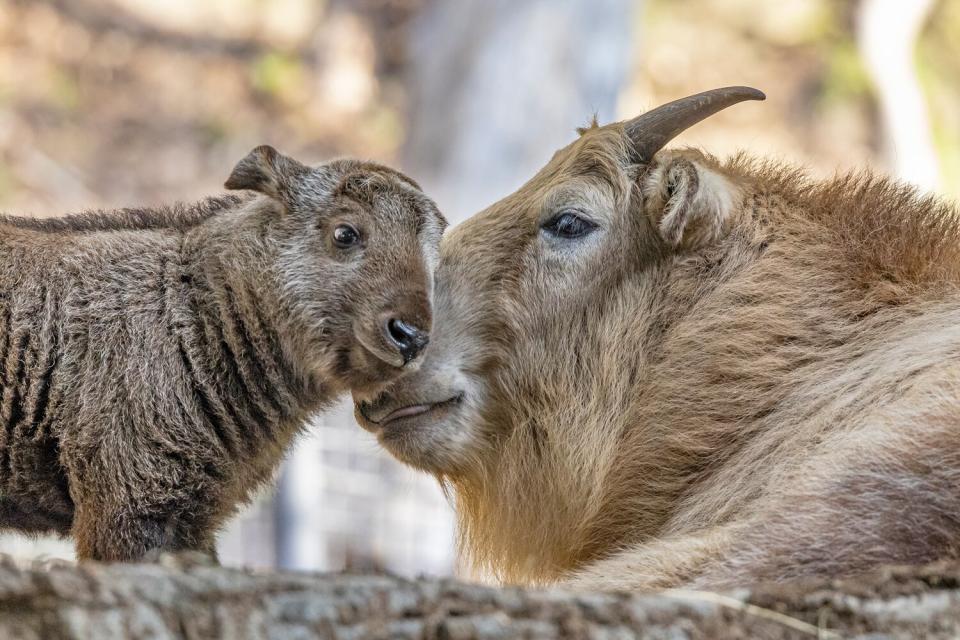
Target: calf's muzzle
(406,336)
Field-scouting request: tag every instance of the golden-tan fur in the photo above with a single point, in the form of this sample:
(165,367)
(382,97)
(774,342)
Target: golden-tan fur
(743,373)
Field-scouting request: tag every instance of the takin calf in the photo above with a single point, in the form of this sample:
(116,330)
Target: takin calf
(155,364)
(654,369)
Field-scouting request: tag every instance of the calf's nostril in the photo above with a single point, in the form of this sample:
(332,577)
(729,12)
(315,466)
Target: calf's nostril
(408,338)
(400,331)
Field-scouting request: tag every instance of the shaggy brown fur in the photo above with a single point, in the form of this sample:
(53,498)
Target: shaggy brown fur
(155,364)
(739,374)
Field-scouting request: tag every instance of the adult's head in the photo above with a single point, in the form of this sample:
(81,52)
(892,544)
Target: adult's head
(548,304)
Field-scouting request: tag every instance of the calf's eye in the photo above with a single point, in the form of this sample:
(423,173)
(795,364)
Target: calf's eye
(345,236)
(568,225)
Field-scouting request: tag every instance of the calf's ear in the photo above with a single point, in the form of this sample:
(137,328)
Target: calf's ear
(269,172)
(691,204)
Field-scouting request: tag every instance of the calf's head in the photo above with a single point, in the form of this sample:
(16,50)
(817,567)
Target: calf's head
(548,304)
(353,247)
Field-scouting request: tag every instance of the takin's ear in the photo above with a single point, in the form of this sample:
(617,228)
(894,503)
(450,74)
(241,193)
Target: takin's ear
(269,172)
(690,204)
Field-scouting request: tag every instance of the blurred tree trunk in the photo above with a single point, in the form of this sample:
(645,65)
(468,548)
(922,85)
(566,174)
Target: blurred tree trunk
(116,602)
(498,85)
(887,32)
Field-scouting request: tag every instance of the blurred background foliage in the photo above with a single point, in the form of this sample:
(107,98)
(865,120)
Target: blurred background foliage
(108,103)
(104,103)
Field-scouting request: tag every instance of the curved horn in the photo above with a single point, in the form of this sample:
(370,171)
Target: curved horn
(651,131)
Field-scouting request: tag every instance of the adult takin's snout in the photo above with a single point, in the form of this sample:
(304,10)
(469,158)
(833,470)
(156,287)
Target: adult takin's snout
(652,368)
(155,364)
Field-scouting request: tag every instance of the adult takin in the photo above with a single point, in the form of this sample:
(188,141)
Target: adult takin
(652,368)
(155,364)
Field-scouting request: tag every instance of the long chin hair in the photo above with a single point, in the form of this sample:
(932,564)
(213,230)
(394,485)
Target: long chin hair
(528,505)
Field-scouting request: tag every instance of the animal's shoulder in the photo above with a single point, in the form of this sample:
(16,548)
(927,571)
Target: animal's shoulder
(890,229)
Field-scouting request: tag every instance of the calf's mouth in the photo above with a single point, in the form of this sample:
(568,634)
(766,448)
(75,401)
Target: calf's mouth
(367,367)
(372,347)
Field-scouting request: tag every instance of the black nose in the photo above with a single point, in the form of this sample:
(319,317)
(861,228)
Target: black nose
(409,339)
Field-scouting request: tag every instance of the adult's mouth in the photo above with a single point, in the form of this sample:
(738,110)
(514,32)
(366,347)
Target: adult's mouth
(381,417)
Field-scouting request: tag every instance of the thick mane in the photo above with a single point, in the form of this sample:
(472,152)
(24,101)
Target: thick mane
(889,230)
(846,247)
(178,216)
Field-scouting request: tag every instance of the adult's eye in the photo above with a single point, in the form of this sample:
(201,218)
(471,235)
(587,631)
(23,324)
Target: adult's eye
(568,225)
(345,236)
